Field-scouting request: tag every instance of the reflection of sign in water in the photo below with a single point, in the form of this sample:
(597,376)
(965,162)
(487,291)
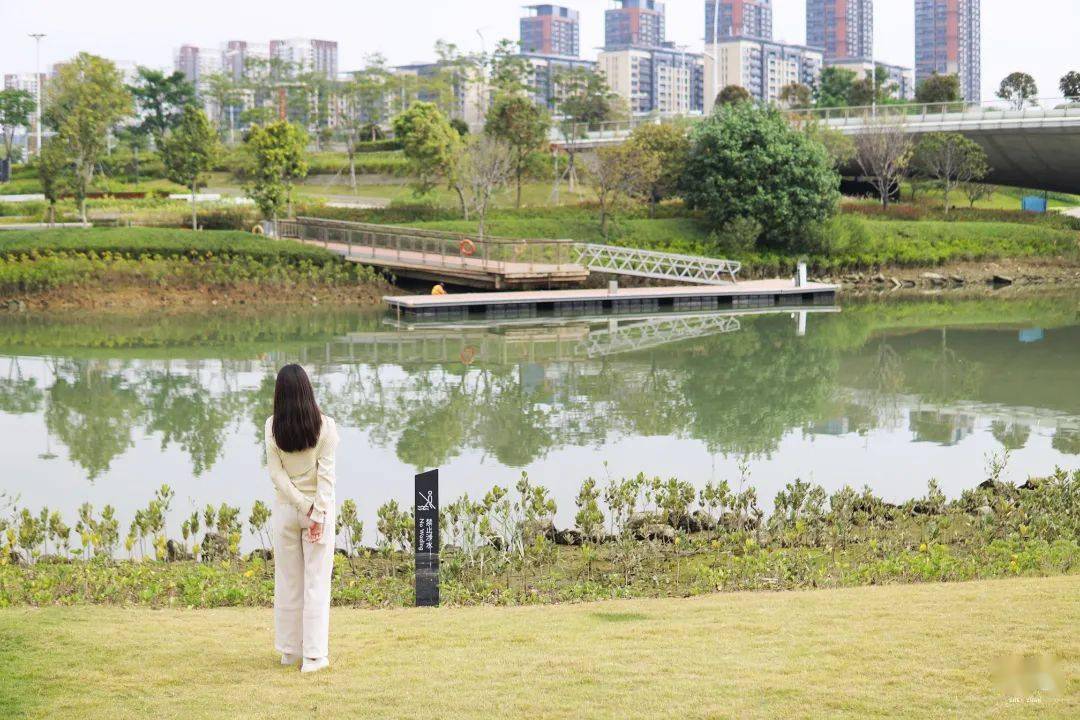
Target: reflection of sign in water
(426,538)
(1031,335)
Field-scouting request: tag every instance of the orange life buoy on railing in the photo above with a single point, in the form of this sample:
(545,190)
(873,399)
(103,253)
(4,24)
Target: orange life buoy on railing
(467,247)
(258,230)
(468,355)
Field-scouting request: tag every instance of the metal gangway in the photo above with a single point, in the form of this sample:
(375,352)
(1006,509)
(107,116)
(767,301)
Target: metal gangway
(495,262)
(654,332)
(693,269)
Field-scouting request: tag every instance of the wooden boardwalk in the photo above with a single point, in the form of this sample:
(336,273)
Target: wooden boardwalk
(455,258)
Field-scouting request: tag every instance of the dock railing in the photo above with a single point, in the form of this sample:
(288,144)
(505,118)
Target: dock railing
(434,248)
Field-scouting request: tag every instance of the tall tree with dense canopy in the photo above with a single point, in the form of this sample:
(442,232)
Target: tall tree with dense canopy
(86,99)
(1019,90)
(429,144)
(796,95)
(189,152)
(938,89)
(160,100)
(521,124)
(732,94)
(669,143)
(16,109)
(748,162)
(834,88)
(276,159)
(1070,85)
(951,160)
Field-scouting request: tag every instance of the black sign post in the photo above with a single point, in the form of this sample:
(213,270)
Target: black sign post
(426,538)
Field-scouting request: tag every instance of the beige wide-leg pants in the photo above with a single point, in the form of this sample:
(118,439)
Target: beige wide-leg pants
(302,572)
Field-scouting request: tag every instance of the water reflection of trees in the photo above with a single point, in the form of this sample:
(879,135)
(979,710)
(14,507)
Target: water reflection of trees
(737,393)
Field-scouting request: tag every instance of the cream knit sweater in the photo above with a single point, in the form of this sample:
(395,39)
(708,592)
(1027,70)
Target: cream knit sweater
(305,479)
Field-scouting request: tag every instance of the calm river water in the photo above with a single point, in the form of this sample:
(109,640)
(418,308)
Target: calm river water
(890,395)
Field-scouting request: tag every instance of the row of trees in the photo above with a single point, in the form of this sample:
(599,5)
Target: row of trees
(888,155)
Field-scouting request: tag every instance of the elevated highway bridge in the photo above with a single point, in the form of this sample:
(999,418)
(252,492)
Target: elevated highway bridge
(1036,147)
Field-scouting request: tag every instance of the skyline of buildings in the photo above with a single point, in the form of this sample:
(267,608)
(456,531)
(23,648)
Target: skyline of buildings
(652,73)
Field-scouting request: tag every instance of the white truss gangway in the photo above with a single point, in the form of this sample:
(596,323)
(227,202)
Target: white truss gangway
(654,332)
(657,265)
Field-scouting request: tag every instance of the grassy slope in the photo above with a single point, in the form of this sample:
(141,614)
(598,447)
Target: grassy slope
(921,651)
(887,242)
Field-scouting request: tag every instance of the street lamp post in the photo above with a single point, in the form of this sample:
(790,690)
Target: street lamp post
(37,82)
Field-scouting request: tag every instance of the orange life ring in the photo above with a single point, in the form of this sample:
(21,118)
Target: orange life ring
(468,355)
(257,230)
(467,247)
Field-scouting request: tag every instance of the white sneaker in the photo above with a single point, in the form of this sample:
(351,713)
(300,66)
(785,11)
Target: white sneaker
(314,664)
(289,659)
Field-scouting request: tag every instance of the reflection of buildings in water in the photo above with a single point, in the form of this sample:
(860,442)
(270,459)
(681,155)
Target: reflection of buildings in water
(950,423)
(941,428)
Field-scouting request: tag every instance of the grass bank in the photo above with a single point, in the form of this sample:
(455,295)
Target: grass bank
(88,267)
(931,651)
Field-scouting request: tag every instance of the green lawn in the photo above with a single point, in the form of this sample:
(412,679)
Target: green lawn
(921,651)
(858,243)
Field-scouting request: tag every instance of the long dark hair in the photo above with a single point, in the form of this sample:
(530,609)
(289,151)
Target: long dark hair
(297,420)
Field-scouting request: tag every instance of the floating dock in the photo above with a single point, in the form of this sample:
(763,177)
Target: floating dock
(743,295)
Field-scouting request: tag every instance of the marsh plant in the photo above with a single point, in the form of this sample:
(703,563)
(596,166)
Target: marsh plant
(633,536)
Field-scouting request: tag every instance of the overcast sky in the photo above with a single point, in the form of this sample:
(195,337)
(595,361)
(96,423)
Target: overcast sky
(1037,36)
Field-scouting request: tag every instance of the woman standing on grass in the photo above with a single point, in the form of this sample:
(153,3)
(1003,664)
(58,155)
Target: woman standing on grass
(300,446)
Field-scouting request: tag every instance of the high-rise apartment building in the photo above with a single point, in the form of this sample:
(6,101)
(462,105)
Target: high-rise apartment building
(948,39)
(844,29)
(319,56)
(638,23)
(551,30)
(738,18)
(762,67)
(665,80)
(197,63)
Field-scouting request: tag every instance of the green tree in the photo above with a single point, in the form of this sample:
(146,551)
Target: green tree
(585,100)
(160,100)
(276,158)
(430,145)
(938,89)
(189,152)
(1018,89)
(523,125)
(54,173)
(670,144)
(748,162)
(834,88)
(732,94)
(86,99)
(510,72)
(16,109)
(951,160)
(1070,85)
(796,95)
(227,96)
